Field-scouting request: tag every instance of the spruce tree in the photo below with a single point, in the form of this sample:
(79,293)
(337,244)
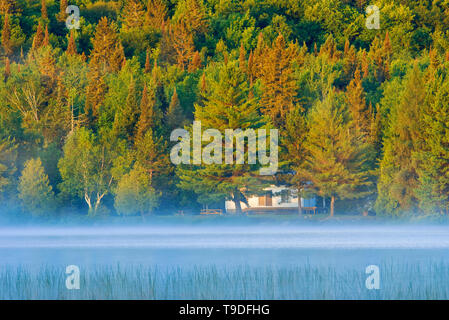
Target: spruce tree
(8,160)
(294,155)
(433,170)
(279,84)
(152,156)
(46,41)
(44,14)
(191,13)
(107,56)
(62,15)
(7,6)
(242,58)
(7,72)
(181,39)
(6,37)
(398,169)
(349,62)
(355,99)
(175,116)
(147,62)
(149,117)
(71,46)
(195,64)
(156,14)
(38,37)
(125,117)
(133,15)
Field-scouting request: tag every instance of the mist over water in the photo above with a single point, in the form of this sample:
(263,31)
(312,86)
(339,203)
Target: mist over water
(256,237)
(327,252)
(187,245)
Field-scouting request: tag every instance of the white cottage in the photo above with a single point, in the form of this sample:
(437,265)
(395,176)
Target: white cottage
(276,199)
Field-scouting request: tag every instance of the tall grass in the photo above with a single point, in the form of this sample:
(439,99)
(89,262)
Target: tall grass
(398,281)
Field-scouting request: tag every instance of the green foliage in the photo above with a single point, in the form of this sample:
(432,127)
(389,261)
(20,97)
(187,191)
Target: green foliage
(433,190)
(398,177)
(226,106)
(134,193)
(8,156)
(101,101)
(87,166)
(34,189)
(337,161)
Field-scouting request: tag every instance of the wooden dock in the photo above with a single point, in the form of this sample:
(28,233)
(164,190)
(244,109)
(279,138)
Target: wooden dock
(212,211)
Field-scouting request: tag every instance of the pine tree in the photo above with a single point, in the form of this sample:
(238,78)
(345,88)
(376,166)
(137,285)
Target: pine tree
(433,169)
(258,56)
(380,56)
(329,48)
(355,98)
(156,14)
(191,13)
(152,156)
(7,6)
(175,115)
(203,83)
(293,139)
(6,37)
(46,41)
(167,54)
(125,118)
(251,67)
(195,64)
(7,73)
(149,117)
(226,106)
(181,39)
(349,62)
(365,64)
(147,62)
(62,15)
(44,14)
(387,50)
(375,136)
(134,15)
(107,56)
(71,47)
(38,37)
(242,58)
(336,160)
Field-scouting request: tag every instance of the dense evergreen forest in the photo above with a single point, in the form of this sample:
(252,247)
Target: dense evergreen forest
(86,113)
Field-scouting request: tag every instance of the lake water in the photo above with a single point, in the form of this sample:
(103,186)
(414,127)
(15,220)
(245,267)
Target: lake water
(340,249)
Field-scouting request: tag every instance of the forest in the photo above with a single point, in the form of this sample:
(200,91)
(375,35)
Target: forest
(86,112)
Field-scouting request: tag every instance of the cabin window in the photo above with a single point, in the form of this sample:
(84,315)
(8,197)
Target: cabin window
(286,196)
